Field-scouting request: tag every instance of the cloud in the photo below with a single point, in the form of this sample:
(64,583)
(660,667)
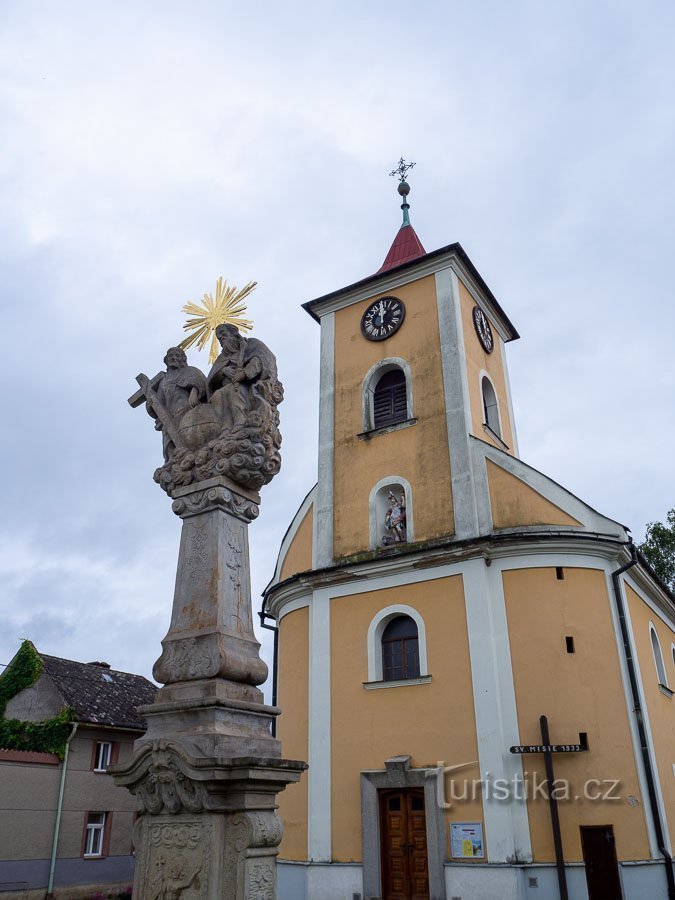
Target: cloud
(148,149)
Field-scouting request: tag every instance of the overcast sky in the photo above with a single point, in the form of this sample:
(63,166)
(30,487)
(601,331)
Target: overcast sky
(148,148)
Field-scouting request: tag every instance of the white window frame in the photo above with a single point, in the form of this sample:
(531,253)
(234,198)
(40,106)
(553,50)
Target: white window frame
(659,663)
(500,434)
(95,832)
(103,756)
(390,481)
(375,631)
(370,382)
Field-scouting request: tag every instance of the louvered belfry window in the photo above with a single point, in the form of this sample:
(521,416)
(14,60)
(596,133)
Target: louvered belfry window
(390,402)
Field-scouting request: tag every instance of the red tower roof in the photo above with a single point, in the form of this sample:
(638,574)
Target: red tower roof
(406,247)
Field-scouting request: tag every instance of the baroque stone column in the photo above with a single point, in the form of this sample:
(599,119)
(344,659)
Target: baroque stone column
(207,771)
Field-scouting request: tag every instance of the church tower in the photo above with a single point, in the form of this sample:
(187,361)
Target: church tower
(435,596)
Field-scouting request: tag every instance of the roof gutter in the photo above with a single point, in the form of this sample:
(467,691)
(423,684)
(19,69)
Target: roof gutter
(647,762)
(59,809)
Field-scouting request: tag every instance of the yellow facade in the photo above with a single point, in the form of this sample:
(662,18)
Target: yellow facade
(477,361)
(515,503)
(299,555)
(578,692)
(418,453)
(500,581)
(660,706)
(293,726)
(369,726)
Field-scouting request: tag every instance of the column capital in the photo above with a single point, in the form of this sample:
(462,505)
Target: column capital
(216,493)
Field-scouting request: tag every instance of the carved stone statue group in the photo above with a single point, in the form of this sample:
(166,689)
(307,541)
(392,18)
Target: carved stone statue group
(225,423)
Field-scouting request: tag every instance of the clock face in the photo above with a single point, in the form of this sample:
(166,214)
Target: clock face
(382,319)
(483,330)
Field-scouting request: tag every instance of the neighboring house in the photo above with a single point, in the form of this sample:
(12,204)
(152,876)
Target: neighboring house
(435,596)
(96,724)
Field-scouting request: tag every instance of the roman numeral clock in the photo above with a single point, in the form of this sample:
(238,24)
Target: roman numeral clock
(382,318)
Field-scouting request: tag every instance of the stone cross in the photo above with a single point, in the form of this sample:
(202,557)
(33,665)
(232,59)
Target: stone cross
(207,771)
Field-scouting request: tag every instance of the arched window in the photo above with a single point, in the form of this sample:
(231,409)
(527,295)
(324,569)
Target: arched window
(387,394)
(376,632)
(490,407)
(658,656)
(400,650)
(390,401)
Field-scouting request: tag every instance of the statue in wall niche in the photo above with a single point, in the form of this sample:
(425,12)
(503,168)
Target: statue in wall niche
(226,423)
(394,520)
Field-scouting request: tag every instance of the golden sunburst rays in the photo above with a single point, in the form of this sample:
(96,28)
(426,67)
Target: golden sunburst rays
(226,309)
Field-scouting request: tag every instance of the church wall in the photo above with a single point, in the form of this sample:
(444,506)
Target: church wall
(418,453)
(293,727)
(299,555)
(660,708)
(430,722)
(515,503)
(579,692)
(478,360)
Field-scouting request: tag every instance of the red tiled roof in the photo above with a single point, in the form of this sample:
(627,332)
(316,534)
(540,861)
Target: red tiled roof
(406,247)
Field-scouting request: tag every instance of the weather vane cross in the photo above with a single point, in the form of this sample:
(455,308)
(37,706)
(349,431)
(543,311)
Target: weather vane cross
(401,169)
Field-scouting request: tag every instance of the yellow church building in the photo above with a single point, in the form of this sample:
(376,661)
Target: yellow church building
(435,596)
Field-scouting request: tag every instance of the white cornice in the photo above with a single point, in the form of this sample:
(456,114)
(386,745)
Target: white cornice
(605,548)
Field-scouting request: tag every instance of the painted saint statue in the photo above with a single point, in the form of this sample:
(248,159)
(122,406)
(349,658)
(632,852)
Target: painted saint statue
(394,520)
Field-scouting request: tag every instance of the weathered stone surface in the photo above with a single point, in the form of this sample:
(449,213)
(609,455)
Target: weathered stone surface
(207,771)
(207,827)
(223,424)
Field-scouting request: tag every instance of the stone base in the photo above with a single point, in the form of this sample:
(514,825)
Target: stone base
(208,827)
(212,717)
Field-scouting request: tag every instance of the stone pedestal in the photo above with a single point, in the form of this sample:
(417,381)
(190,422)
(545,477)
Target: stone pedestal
(207,771)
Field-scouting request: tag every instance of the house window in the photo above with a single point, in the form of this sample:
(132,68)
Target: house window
(400,650)
(102,756)
(390,399)
(94,832)
(490,407)
(658,657)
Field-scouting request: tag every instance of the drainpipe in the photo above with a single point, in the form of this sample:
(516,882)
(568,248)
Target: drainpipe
(59,807)
(649,766)
(275,659)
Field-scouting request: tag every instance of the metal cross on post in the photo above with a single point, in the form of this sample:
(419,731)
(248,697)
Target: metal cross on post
(401,169)
(403,187)
(548,749)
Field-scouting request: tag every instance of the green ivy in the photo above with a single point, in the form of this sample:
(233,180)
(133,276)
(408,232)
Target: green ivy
(49,736)
(24,670)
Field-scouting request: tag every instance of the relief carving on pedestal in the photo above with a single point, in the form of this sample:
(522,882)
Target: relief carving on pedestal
(260,881)
(177,860)
(198,552)
(187,658)
(233,562)
(164,786)
(257,829)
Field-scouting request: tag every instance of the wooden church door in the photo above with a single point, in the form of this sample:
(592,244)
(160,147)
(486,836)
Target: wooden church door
(602,869)
(403,829)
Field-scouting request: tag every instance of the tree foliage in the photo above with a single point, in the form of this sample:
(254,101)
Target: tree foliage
(658,548)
